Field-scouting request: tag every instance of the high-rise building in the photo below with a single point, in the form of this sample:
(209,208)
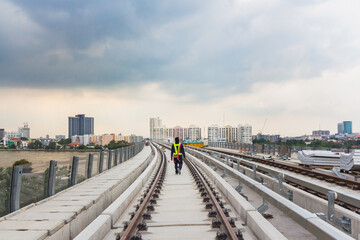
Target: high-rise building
(186,133)
(347,127)
(25,130)
(158,133)
(169,133)
(154,123)
(241,133)
(194,133)
(340,127)
(178,132)
(81,125)
(106,139)
(2,133)
(244,133)
(213,133)
(133,138)
(234,134)
(228,133)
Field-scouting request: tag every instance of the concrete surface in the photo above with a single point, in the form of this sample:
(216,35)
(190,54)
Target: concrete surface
(69,212)
(300,215)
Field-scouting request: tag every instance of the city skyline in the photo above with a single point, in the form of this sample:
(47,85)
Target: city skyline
(52,133)
(294,63)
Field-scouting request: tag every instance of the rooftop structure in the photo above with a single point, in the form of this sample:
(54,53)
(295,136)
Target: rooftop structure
(321,132)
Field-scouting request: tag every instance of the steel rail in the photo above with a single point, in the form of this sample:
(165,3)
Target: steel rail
(224,219)
(297,169)
(228,227)
(291,209)
(137,217)
(345,200)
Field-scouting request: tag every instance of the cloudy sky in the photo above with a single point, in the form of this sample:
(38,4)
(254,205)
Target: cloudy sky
(295,63)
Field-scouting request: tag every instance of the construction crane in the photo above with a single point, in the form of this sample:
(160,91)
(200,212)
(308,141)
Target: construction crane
(261,131)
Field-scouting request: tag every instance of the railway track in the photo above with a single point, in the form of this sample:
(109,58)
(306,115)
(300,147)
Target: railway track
(345,200)
(288,215)
(354,185)
(201,204)
(148,218)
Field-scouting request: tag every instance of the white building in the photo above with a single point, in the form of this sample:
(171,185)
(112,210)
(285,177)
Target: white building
(82,139)
(134,138)
(241,133)
(234,134)
(244,133)
(222,133)
(25,130)
(13,134)
(194,133)
(139,138)
(213,133)
(186,133)
(228,132)
(155,123)
(169,134)
(158,133)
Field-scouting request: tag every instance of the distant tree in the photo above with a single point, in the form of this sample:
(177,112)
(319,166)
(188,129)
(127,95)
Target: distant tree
(64,141)
(51,145)
(352,143)
(12,146)
(24,138)
(35,145)
(115,145)
(81,147)
(293,142)
(112,145)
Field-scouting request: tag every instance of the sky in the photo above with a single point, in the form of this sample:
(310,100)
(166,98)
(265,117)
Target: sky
(295,63)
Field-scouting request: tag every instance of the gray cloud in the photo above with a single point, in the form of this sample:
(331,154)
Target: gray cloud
(216,47)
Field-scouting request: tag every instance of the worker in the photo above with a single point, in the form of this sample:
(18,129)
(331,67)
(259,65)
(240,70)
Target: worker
(177,154)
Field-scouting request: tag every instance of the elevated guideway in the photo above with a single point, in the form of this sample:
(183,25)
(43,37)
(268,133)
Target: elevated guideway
(140,198)
(311,200)
(182,207)
(67,213)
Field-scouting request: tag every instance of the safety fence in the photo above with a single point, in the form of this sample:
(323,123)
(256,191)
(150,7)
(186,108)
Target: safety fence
(21,186)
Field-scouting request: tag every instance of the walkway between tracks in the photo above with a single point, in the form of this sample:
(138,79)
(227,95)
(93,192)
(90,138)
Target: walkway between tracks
(65,214)
(180,213)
